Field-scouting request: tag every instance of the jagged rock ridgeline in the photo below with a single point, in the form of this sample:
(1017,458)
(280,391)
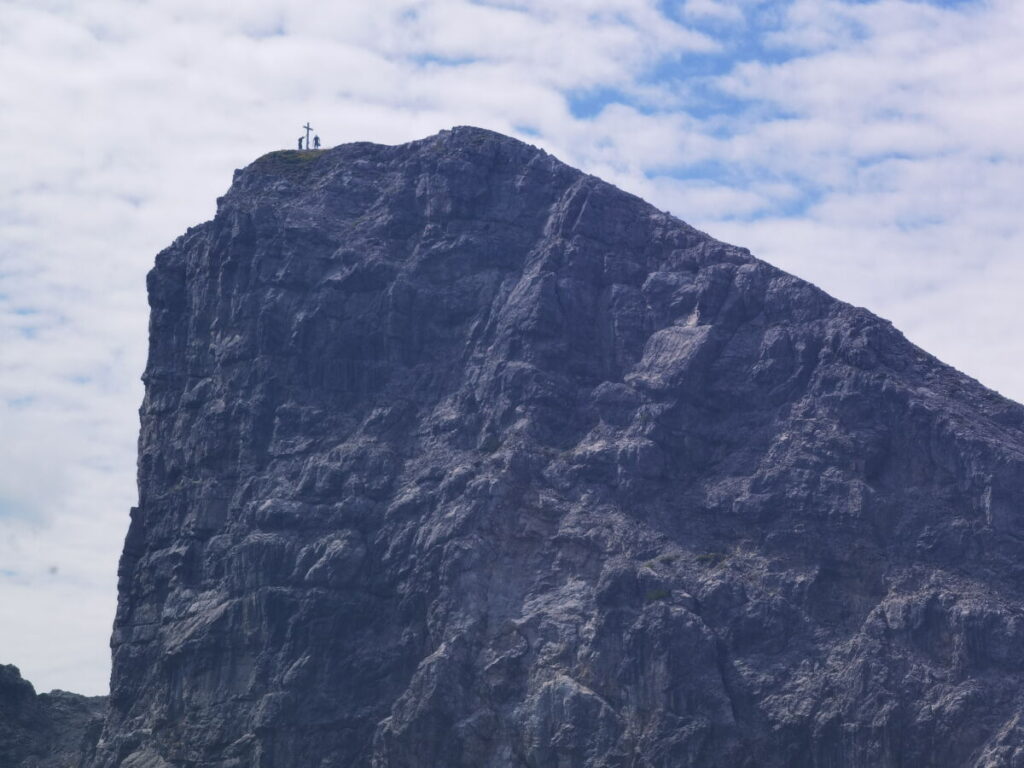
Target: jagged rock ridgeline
(48,730)
(452,455)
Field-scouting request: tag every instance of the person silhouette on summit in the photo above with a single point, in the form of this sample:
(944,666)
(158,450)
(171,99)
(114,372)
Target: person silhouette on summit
(316,142)
(300,143)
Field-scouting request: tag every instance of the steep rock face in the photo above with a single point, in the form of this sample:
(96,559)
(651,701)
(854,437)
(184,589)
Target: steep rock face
(49,730)
(452,455)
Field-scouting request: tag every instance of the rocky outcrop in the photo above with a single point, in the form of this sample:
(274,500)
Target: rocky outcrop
(49,730)
(452,455)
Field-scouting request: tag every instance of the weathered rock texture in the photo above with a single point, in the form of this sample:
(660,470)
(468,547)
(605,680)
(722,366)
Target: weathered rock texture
(453,456)
(49,730)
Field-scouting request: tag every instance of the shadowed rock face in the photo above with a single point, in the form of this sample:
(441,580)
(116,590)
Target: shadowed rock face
(452,455)
(50,730)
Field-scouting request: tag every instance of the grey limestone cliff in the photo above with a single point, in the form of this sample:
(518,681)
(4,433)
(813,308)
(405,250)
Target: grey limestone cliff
(454,456)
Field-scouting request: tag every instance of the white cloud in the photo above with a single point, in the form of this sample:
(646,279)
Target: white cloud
(719,10)
(875,149)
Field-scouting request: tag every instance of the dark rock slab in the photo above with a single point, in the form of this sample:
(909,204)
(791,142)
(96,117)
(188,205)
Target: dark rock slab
(452,455)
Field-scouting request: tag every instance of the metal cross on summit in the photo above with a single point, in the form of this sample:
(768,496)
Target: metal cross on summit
(316,139)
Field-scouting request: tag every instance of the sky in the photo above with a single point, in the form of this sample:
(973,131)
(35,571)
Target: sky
(874,147)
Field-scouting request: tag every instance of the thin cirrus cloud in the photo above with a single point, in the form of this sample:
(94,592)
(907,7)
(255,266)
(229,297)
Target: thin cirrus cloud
(872,147)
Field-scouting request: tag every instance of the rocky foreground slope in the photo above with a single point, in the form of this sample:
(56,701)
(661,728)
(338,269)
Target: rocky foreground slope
(452,455)
(48,730)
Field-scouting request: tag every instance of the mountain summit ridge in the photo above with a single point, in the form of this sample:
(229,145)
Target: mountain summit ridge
(454,455)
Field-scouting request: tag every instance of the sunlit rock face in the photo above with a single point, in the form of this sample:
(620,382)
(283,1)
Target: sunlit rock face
(454,456)
(49,730)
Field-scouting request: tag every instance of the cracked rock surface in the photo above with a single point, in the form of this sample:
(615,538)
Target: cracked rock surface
(454,456)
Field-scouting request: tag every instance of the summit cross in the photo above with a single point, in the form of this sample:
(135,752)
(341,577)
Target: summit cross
(308,128)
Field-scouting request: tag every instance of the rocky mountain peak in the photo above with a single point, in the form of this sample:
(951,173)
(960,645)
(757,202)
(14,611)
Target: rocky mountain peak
(49,730)
(454,455)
